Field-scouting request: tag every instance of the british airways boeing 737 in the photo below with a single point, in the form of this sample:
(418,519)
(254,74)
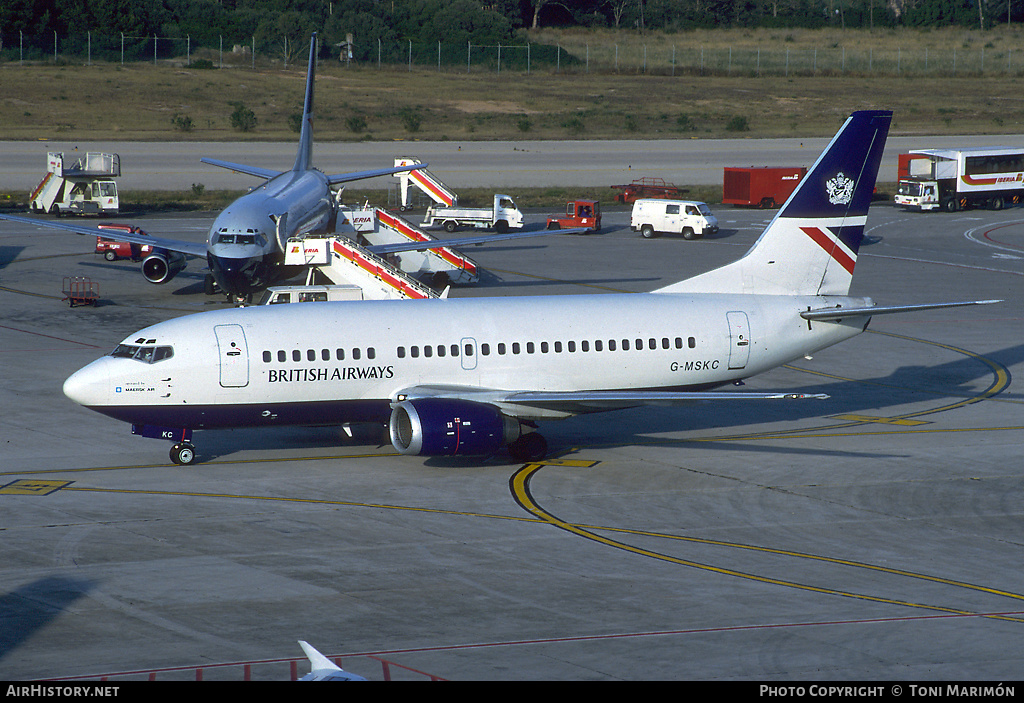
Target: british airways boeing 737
(472,376)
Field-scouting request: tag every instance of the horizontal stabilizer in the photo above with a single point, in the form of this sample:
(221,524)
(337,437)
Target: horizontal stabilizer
(242,168)
(839,312)
(337,178)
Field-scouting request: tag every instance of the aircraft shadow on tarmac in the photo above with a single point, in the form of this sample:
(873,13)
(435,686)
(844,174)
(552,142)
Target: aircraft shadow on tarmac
(32,606)
(8,254)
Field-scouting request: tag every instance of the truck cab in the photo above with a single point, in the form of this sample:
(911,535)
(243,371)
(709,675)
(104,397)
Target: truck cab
(920,195)
(578,214)
(690,218)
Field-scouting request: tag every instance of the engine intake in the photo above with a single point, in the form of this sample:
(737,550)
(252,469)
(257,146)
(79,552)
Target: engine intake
(162,265)
(444,427)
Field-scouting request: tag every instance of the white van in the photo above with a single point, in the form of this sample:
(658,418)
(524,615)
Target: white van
(277,295)
(652,216)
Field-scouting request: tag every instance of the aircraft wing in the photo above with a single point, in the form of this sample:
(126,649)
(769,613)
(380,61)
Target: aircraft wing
(518,403)
(380,249)
(197,249)
(373,173)
(242,168)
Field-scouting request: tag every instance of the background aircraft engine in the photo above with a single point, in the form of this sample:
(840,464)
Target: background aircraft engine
(162,265)
(443,427)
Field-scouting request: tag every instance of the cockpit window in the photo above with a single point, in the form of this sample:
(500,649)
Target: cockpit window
(146,354)
(224,238)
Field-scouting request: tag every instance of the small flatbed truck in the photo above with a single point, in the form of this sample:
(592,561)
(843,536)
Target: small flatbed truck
(503,215)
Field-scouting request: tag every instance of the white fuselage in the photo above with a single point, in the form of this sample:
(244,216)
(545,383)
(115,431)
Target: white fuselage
(326,363)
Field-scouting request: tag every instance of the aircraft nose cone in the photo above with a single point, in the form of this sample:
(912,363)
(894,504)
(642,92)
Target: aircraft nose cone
(85,386)
(237,275)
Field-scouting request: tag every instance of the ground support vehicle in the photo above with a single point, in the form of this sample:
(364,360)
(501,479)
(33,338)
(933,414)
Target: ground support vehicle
(578,213)
(957,179)
(763,187)
(690,218)
(84,188)
(648,187)
(112,250)
(502,216)
(79,290)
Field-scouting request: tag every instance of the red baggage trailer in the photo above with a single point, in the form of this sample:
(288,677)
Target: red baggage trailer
(763,187)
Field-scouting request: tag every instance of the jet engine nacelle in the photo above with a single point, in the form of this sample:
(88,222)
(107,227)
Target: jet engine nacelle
(162,265)
(443,427)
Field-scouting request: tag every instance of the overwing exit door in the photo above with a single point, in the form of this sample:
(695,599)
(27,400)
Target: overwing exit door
(739,339)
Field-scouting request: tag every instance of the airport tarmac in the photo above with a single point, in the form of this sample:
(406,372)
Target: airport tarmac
(875,535)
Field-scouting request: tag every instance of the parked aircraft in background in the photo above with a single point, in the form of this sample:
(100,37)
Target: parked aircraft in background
(246,243)
(472,376)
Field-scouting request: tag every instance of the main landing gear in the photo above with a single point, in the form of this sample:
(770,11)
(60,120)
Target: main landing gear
(183,453)
(528,448)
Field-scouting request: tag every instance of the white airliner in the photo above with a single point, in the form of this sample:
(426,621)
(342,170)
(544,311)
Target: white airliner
(246,243)
(474,375)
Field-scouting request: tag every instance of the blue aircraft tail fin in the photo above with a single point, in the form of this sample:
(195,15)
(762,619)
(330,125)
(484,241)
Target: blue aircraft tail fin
(304,158)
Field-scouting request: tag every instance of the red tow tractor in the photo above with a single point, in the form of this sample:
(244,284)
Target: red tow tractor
(113,250)
(578,214)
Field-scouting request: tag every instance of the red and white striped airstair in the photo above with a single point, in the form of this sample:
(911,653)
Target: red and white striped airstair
(441,266)
(343,261)
(425,181)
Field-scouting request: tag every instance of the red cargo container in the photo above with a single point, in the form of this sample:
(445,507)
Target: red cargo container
(760,187)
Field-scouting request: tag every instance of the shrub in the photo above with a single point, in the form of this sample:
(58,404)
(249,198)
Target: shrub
(737,123)
(243,119)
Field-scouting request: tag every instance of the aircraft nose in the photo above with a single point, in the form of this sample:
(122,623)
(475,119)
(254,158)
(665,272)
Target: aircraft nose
(87,386)
(237,275)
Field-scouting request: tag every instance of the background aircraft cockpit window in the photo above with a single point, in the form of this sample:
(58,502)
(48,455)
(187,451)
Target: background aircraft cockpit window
(225,238)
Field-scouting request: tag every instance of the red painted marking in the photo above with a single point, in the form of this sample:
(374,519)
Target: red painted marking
(429,185)
(832,247)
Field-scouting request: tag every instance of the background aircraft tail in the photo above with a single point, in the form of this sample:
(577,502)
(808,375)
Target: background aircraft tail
(810,247)
(304,158)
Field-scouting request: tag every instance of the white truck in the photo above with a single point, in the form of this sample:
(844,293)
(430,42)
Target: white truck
(957,179)
(83,188)
(653,216)
(503,215)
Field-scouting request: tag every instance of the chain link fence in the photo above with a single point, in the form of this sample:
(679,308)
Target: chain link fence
(627,57)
